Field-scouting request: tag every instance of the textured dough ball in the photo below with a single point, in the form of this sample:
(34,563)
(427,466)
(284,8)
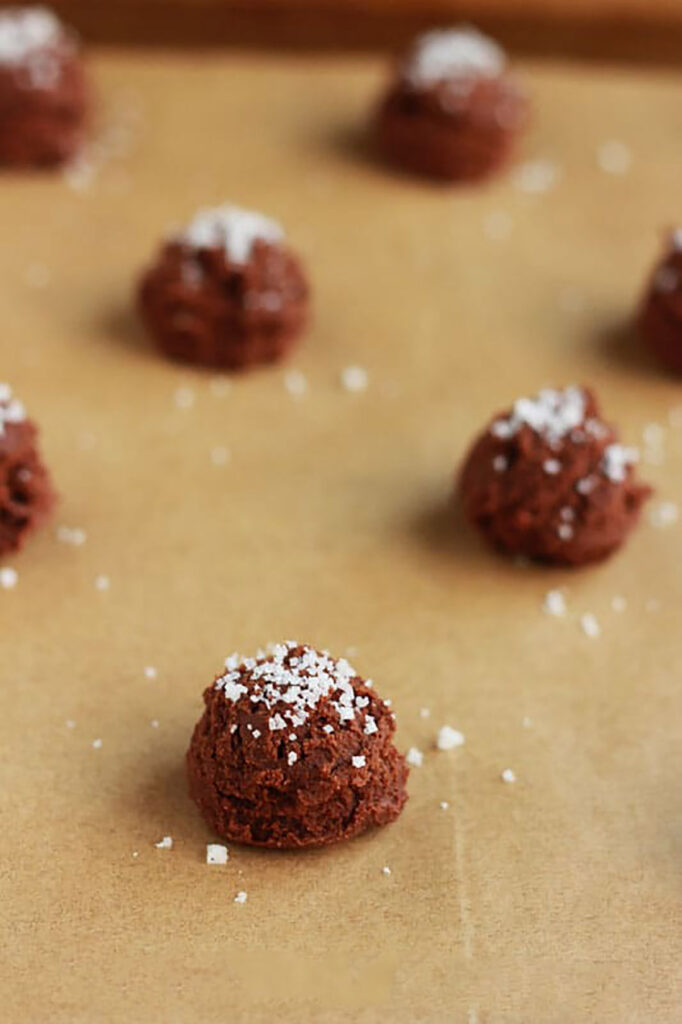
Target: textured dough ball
(26,495)
(294,749)
(44,97)
(453,112)
(660,317)
(226,292)
(548,480)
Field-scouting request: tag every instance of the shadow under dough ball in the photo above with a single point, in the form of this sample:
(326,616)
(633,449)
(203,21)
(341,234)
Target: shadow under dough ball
(660,316)
(227,292)
(548,480)
(294,749)
(44,97)
(453,112)
(26,494)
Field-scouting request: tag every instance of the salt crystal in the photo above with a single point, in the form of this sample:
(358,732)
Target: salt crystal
(551,466)
(240,897)
(449,738)
(536,176)
(508,775)
(164,844)
(354,379)
(150,672)
(444,54)
(619,604)
(220,456)
(444,805)
(233,229)
(500,463)
(386,870)
(292,757)
(155,723)
(551,413)
(565,531)
(216,853)
(554,603)
(663,514)
(295,383)
(71,535)
(8,577)
(97,744)
(614,157)
(102,582)
(414,757)
(184,398)
(359,761)
(589,625)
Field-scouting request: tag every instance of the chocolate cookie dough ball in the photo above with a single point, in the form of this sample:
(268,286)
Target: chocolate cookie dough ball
(294,749)
(43,91)
(548,480)
(227,292)
(26,495)
(453,112)
(660,317)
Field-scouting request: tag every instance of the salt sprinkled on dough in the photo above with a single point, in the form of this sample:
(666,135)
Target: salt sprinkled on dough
(552,414)
(500,463)
(295,383)
(590,625)
(449,738)
(359,762)
(616,460)
(354,378)
(551,466)
(166,843)
(297,681)
(614,157)
(8,577)
(444,54)
(216,853)
(233,229)
(23,30)
(508,775)
(11,409)
(240,897)
(414,757)
(554,603)
(665,513)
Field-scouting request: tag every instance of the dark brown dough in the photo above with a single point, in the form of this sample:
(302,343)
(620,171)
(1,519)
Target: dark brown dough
(294,749)
(549,481)
(660,316)
(44,97)
(461,127)
(201,305)
(26,494)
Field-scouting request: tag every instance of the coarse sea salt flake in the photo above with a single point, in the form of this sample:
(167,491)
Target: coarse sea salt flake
(414,757)
(449,738)
(216,853)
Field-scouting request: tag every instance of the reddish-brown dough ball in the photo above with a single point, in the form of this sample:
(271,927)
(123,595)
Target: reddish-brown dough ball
(26,495)
(227,292)
(660,317)
(453,112)
(43,90)
(548,480)
(294,749)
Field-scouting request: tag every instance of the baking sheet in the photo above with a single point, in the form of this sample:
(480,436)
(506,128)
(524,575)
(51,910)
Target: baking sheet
(556,898)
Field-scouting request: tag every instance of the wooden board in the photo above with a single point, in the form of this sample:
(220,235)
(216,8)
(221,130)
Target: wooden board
(553,899)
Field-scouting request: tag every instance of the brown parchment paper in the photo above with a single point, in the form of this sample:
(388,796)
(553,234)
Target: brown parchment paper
(554,899)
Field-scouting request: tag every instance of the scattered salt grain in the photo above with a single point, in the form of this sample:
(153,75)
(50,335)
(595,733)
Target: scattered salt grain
(150,672)
(295,383)
(354,379)
(155,723)
(71,535)
(292,757)
(8,577)
(449,738)
(618,603)
(565,531)
(102,582)
(508,775)
(385,870)
(527,722)
(453,53)
(216,853)
(184,398)
(359,761)
(536,176)
(614,157)
(97,744)
(551,466)
(166,843)
(220,456)
(497,225)
(444,805)
(500,463)
(589,625)
(424,712)
(234,229)
(240,897)
(414,757)
(664,513)
(79,174)
(70,724)
(653,434)
(554,603)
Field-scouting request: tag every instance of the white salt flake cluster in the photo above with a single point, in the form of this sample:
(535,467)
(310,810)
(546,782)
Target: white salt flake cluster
(11,409)
(449,738)
(233,229)
(9,577)
(216,853)
(24,30)
(359,762)
(590,625)
(414,757)
(290,680)
(554,603)
(551,413)
(444,54)
(616,461)
(165,843)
